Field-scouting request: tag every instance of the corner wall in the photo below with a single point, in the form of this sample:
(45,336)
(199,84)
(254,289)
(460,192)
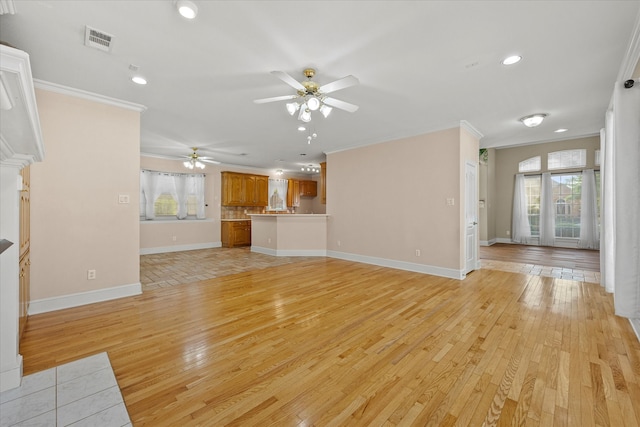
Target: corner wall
(77,222)
(389,200)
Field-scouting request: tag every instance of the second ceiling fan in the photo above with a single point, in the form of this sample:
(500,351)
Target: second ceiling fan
(312,97)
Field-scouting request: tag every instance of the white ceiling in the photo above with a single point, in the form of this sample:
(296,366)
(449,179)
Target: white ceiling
(422,65)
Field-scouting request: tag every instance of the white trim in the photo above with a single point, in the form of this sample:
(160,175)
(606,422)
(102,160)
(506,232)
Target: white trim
(90,96)
(289,252)
(488,242)
(162,220)
(635,325)
(179,248)
(503,240)
(400,265)
(75,300)
(471,129)
(12,377)
(7,7)
(632,54)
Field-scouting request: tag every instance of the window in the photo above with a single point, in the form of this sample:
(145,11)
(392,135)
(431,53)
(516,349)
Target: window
(567,198)
(530,165)
(597,158)
(532,187)
(567,159)
(171,195)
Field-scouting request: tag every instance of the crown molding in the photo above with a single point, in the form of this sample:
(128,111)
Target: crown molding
(7,7)
(90,96)
(471,129)
(632,54)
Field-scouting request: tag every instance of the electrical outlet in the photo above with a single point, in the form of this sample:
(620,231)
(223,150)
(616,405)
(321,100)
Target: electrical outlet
(417,252)
(508,232)
(123,198)
(339,243)
(175,238)
(451,201)
(91,274)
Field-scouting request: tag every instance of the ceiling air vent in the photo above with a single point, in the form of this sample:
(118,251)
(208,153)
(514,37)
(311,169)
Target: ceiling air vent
(97,39)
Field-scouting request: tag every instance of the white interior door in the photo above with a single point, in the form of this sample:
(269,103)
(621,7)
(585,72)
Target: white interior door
(471,217)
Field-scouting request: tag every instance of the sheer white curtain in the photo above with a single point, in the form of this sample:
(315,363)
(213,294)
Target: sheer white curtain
(151,189)
(181,194)
(626,199)
(520,228)
(179,186)
(198,188)
(278,194)
(547,212)
(589,234)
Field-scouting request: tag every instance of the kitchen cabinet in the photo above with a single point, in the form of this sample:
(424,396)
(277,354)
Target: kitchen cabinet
(236,233)
(24,249)
(241,189)
(323,183)
(293,193)
(308,188)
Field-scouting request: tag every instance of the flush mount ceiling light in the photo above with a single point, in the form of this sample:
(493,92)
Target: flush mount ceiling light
(560,130)
(312,96)
(139,80)
(533,120)
(187,8)
(510,60)
(279,172)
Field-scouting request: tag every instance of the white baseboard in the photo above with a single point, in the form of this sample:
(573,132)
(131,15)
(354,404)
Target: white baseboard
(400,265)
(11,377)
(289,252)
(502,240)
(635,324)
(487,242)
(75,300)
(179,248)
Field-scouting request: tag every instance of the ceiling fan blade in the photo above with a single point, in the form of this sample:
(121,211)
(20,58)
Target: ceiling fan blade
(214,162)
(339,84)
(289,80)
(275,98)
(332,102)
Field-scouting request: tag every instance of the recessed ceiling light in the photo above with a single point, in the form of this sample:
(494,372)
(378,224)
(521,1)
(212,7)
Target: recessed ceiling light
(514,59)
(533,120)
(139,80)
(560,130)
(187,9)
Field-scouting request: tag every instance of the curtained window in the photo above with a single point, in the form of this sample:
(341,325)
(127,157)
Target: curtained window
(171,195)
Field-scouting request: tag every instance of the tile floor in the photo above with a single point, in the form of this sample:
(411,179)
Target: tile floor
(541,270)
(81,393)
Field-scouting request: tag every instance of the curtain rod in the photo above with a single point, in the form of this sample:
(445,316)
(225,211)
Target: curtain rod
(173,173)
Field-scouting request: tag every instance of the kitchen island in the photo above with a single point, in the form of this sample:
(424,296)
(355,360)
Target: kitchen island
(289,234)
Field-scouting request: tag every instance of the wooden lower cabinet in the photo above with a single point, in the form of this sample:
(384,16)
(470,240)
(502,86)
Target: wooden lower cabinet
(23,281)
(236,233)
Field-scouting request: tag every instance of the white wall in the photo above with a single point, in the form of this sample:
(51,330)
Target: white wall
(388,200)
(77,222)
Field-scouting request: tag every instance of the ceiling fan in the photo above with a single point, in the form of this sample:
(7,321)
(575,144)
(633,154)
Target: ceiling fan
(196,161)
(312,96)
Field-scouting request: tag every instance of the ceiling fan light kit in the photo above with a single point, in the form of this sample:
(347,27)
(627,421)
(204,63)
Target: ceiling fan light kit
(313,95)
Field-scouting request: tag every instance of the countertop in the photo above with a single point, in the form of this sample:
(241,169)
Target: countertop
(289,215)
(234,219)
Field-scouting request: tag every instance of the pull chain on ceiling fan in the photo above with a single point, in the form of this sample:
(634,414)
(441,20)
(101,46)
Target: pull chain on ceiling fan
(312,96)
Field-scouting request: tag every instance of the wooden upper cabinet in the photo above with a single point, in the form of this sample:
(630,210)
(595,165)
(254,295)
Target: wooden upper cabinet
(261,196)
(308,188)
(323,183)
(241,189)
(293,193)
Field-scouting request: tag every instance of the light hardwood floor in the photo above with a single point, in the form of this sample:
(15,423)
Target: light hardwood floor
(327,342)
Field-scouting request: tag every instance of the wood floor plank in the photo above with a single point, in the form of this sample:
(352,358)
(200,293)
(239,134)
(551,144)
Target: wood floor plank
(331,342)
